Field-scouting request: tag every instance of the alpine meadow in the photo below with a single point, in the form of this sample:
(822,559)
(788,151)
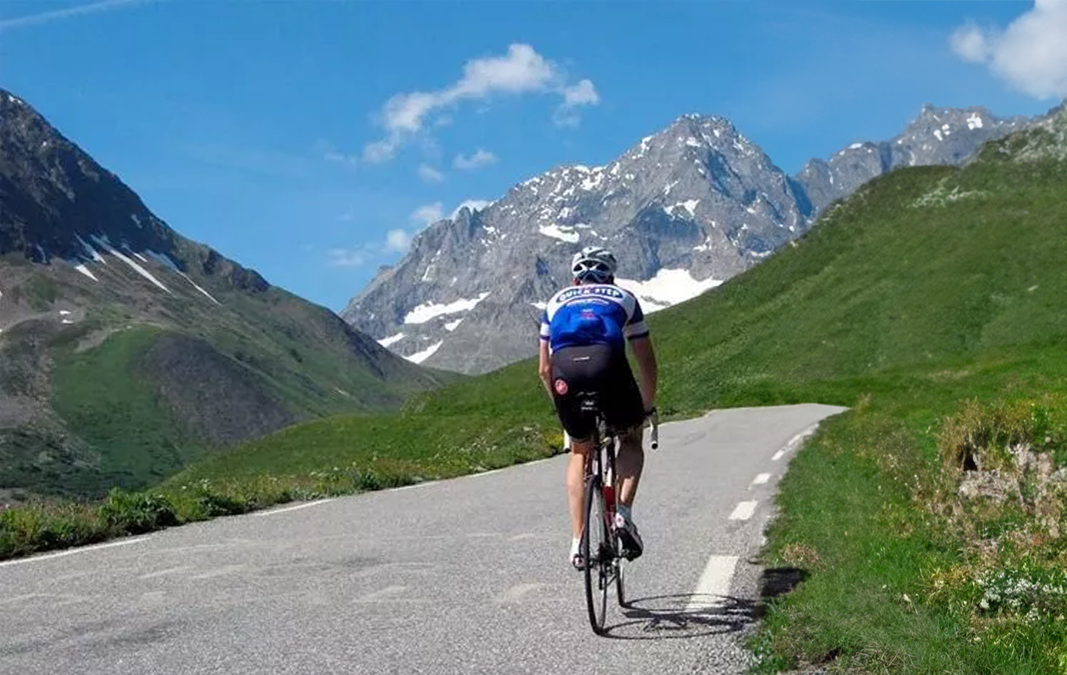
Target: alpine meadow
(928,523)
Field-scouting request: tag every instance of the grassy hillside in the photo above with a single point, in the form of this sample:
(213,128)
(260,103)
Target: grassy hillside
(933,304)
(125,396)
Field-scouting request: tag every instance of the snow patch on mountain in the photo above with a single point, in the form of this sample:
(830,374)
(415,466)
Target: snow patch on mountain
(562,232)
(85,270)
(432,310)
(419,357)
(668,287)
(392,339)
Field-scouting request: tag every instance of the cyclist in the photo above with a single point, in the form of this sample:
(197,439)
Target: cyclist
(584,330)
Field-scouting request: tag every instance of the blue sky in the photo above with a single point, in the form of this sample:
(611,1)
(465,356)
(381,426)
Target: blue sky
(310,139)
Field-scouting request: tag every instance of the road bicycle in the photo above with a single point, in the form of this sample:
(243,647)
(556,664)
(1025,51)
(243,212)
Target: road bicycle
(601,549)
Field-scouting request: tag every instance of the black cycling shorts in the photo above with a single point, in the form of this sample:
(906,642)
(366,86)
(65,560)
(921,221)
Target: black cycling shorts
(600,370)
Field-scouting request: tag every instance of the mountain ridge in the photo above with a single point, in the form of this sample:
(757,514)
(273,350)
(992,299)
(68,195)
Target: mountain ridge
(197,351)
(685,209)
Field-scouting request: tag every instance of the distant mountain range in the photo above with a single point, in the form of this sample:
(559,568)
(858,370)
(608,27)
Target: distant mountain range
(684,210)
(127,350)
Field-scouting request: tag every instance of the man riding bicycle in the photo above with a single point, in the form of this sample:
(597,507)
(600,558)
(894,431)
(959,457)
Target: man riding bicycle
(584,330)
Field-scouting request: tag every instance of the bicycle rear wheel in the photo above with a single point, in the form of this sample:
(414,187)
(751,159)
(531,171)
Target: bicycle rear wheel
(599,558)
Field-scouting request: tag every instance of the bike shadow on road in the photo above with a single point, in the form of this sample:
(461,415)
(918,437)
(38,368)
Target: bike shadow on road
(682,616)
(689,615)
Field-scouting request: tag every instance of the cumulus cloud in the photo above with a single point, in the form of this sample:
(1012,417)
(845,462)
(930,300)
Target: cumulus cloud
(397,241)
(429,174)
(1030,54)
(477,160)
(575,96)
(520,71)
(428,213)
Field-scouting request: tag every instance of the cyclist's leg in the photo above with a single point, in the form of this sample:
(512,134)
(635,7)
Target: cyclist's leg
(630,463)
(625,412)
(572,372)
(576,483)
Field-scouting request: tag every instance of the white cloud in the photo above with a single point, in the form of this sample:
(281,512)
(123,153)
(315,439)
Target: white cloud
(583,93)
(472,204)
(347,257)
(397,241)
(476,160)
(970,44)
(1030,54)
(380,151)
(429,174)
(428,213)
(575,96)
(68,13)
(520,71)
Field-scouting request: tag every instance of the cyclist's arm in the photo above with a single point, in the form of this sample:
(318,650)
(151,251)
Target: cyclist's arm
(544,368)
(645,356)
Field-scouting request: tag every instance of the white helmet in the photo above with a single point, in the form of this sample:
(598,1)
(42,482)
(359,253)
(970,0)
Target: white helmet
(594,264)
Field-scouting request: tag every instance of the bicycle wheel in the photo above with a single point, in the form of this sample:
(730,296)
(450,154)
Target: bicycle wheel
(596,551)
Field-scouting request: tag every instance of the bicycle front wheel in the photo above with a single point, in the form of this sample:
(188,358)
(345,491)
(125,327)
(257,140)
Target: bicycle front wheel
(596,551)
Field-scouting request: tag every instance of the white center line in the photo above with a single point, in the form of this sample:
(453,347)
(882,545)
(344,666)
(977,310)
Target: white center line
(516,592)
(383,594)
(714,583)
(72,551)
(163,573)
(744,511)
(761,479)
(292,508)
(219,572)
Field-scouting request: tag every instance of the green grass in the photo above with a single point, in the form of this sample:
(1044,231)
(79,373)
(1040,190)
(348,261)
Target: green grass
(933,304)
(101,394)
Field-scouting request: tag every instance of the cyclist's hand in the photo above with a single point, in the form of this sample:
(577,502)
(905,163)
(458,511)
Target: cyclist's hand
(651,416)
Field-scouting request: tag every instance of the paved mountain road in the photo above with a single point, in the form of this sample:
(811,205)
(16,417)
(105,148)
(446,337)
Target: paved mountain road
(460,576)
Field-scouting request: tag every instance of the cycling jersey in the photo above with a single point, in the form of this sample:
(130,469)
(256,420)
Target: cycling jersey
(592,314)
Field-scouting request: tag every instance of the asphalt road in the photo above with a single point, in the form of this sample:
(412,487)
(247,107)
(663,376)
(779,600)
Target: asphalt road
(461,576)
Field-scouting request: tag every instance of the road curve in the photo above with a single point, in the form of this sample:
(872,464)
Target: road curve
(461,576)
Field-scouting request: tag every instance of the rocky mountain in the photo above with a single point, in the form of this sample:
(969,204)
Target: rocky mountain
(936,136)
(127,350)
(685,209)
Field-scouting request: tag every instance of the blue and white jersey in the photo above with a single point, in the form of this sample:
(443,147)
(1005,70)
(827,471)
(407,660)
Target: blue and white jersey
(592,314)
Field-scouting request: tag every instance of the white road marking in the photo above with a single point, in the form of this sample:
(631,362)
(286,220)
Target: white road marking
(219,572)
(72,551)
(714,583)
(521,537)
(762,479)
(481,473)
(163,573)
(516,592)
(744,511)
(414,486)
(286,509)
(794,442)
(383,594)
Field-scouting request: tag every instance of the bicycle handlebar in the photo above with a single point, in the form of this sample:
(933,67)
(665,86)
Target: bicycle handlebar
(653,416)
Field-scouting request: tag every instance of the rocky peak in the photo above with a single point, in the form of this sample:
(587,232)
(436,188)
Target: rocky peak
(683,209)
